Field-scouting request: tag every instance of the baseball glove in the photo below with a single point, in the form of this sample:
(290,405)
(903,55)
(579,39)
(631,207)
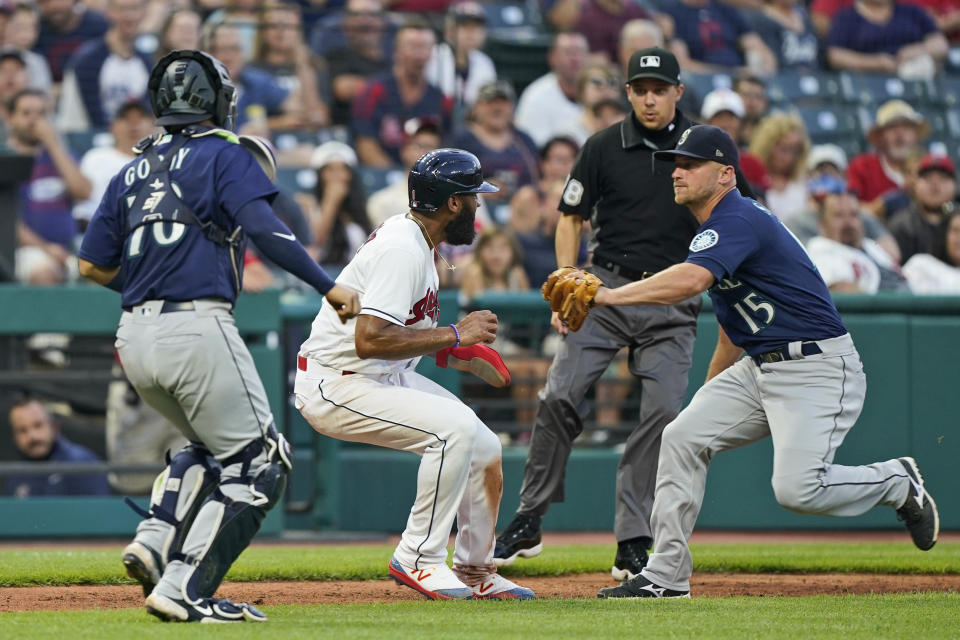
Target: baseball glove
(570,292)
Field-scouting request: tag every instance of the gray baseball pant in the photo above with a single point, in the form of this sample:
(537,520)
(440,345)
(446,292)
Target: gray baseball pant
(661,349)
(807,406)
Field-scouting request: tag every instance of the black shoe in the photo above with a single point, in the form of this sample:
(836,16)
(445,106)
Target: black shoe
(640,587)
(919,512)
(520,538)
(204,610)
(631,559)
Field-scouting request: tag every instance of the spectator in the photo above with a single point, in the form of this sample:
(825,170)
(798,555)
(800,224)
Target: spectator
(786,29)
(534,210)
(262,104)
(599,84)
(244,17)
(753,90)
(826,174)
(47,230)
(822,13)
(106,72)
(396,96)
(930,275)
(65,25)
(711,36)
(601,21)
(782,144)
(338,215)
(13,80)
(878,177)
(132,122)
(22,30)
(551,99)
(920,228)
(180,31)
(282,53)
(724,108)
(362,56)
(421,136)
(458,66)
(508,156)
(946,15)
(885,36)
(636,35)
(38,439)
(849,262)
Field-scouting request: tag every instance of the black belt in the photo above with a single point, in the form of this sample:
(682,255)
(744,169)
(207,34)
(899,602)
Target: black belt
(620,270)
(783,353)
(171,307)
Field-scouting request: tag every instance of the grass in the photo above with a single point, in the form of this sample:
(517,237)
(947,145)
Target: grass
(22,567)
(925,615)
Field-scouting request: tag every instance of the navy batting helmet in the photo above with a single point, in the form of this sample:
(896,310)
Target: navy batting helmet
(188,86)
(442,173)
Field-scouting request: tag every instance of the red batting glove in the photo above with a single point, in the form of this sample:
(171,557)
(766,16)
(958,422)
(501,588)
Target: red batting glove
(479,359)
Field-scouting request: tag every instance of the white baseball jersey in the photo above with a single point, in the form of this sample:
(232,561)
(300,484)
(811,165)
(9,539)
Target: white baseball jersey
(395,275)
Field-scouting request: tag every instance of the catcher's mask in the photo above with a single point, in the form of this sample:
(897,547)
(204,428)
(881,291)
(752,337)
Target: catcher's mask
(442,173)
(189,86)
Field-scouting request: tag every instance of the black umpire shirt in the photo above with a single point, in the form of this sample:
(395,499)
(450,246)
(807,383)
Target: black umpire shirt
(628,198)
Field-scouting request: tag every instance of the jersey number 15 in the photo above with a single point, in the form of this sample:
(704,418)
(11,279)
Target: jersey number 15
(757,306)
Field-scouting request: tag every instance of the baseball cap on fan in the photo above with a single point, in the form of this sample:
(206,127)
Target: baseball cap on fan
(653,62)
(704,142)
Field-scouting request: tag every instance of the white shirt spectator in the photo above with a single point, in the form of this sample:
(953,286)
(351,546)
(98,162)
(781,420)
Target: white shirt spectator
(930,276)
(842,263)
(99,165)
(792,200)
(441,71)
(543,109)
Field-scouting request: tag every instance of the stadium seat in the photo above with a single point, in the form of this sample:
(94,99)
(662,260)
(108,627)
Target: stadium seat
(292,180)
(805,88)
(375,179)
(517,17)
(703,83)
(520,59)
(871,89)
(827,124)
(82,141)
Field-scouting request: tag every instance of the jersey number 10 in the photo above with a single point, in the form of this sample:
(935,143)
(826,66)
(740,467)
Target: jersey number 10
(756,306)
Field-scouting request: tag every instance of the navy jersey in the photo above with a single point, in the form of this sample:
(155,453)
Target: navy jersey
(172,261)
(767,292)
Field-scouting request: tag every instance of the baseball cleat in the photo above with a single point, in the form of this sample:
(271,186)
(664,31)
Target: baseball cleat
(631,559)
(205,610)
(919,511)
(436,583)
(520,538)
(496,587)
(142,565)
(640,587)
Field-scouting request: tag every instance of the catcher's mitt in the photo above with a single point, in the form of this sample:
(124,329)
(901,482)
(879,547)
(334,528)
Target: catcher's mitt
(570,292)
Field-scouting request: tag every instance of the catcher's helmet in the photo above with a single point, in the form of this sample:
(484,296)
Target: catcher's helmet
(441,173)
(190,86)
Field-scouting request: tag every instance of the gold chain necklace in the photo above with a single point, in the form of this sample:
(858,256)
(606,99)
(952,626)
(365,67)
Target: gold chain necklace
(433,247)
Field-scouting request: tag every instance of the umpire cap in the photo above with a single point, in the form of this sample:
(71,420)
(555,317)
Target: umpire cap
(188,86)
(442,173)
(653,62)
(704,142)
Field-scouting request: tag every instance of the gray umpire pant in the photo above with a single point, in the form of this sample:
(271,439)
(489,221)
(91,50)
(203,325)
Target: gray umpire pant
(660,340)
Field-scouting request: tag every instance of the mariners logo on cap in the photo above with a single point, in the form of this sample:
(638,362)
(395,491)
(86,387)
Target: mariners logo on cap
(683,137)
(650,61)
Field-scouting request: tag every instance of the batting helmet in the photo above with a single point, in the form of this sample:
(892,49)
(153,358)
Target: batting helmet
(188,86)
(441,173)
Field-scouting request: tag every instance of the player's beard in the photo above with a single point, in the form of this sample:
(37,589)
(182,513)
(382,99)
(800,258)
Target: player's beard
(461,230)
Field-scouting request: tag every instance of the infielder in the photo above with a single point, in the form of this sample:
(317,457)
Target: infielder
(169,235)
(802,384)
(356,382)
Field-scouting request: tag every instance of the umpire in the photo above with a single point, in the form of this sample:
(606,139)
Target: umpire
(637,230)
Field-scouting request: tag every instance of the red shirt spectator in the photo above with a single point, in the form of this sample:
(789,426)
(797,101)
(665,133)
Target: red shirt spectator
(601,20)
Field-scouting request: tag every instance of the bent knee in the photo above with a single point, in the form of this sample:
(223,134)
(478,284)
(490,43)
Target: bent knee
(797,493)
(487,446)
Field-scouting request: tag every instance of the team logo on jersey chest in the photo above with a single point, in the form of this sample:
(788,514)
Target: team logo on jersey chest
(704,240)
(426,307)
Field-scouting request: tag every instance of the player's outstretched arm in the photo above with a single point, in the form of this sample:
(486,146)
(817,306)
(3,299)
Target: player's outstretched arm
(384,340)
(673,285)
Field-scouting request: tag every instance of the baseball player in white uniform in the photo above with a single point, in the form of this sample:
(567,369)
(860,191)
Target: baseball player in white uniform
(356,382)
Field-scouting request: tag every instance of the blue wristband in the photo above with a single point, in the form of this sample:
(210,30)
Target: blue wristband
(454,327)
